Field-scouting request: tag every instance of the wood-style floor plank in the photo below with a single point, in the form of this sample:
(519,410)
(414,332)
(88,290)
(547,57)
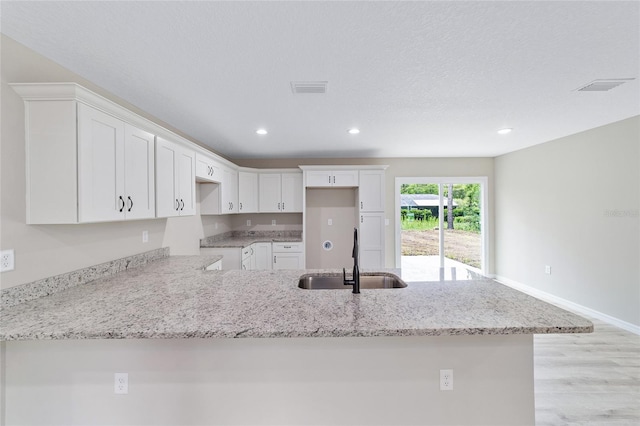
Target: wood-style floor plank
(588,379)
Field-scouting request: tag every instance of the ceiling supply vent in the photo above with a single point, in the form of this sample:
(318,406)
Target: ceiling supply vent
(603,85)
(299,87)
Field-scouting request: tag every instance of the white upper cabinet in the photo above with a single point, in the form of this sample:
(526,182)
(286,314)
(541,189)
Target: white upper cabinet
(84,165)
(207,169)
(292,192)
(229,201)
(247,192)
(331,178)
(139,160)
(280,192)
(175,179)
(371,191)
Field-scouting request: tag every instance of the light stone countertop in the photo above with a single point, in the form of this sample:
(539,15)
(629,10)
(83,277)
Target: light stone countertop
(175,298)
(242,239)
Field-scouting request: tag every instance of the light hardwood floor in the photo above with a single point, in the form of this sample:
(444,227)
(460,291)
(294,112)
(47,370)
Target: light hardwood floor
(588,379)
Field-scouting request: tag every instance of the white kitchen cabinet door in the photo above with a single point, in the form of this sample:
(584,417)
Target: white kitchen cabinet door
(345,178)
(229,191)
(270,193)
(262,256)
(139,173)
(187,182)
(319,178)
(371,190)
(288,260)
(371,240)
(247,192)
(175,179)
(291,192)
(207,169)
(100,166)
(331,178)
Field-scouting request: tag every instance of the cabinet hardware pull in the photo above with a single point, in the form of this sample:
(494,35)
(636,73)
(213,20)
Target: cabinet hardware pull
(334,178)
(361,205)
(329,178)
(177,205)
(361,220)
(282,206)
(279,206)
(274,259)
(123,203)
(131,204)
(182,201)
(240,206)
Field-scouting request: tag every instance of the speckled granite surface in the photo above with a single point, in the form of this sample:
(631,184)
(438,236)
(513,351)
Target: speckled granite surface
(175,298)
(40,288)
(246,238)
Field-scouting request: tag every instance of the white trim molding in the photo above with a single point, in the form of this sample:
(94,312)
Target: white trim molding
(566,304)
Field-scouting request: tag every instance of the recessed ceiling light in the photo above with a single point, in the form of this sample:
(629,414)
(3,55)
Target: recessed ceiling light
(261,131)
(504,131)
(354,131)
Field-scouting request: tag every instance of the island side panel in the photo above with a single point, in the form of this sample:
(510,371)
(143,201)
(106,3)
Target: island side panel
(332,381)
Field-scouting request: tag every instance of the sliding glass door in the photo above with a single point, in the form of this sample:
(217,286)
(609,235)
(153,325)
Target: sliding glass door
(440,227)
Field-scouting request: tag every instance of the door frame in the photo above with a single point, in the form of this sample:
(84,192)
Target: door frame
(484,211)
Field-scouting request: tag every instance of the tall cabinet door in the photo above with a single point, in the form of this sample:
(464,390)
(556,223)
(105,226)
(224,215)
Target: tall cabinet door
(247,192)
(371,240)
(269,198)
(139,173)
(100,166)
(371,191)
(292,192)
(187,182)
(167,200)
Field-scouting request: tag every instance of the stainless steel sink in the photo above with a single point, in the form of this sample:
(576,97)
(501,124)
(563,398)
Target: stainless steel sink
(320,282)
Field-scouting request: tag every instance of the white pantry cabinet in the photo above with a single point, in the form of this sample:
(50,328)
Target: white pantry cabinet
(371,191)
(84,165)
(175,179)
(247,192)
(280,192)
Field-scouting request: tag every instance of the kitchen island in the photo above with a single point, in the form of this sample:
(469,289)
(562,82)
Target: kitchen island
(250,347)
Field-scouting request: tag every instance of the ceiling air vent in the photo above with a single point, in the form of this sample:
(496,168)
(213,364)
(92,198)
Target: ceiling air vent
(603,85)
(298,87)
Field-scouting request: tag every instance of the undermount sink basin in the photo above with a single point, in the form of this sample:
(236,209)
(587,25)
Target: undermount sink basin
(320,282)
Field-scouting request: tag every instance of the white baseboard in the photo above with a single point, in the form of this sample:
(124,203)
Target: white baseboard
(563,303)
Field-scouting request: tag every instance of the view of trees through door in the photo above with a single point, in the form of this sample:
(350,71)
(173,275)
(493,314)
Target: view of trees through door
(421,219)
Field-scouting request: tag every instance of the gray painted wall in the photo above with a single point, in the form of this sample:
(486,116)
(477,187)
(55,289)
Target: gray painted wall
(572,204)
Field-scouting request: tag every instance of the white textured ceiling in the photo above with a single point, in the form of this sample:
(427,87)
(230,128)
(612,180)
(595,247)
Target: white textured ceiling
(419,79)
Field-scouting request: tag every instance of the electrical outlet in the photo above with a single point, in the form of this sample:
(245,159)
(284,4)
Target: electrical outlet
(248,222)
(273,222)
(145,236)
(215,225)
(446,380)
(121,383)
(7,260)
(547,269)
(330,222)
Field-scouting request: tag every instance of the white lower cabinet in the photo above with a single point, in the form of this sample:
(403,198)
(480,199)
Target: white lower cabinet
(261,256)
(215,266)
(288,256)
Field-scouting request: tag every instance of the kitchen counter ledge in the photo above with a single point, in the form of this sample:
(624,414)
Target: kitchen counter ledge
(175,298)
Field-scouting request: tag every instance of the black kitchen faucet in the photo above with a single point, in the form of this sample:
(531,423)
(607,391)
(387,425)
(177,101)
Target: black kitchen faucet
(355,278)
